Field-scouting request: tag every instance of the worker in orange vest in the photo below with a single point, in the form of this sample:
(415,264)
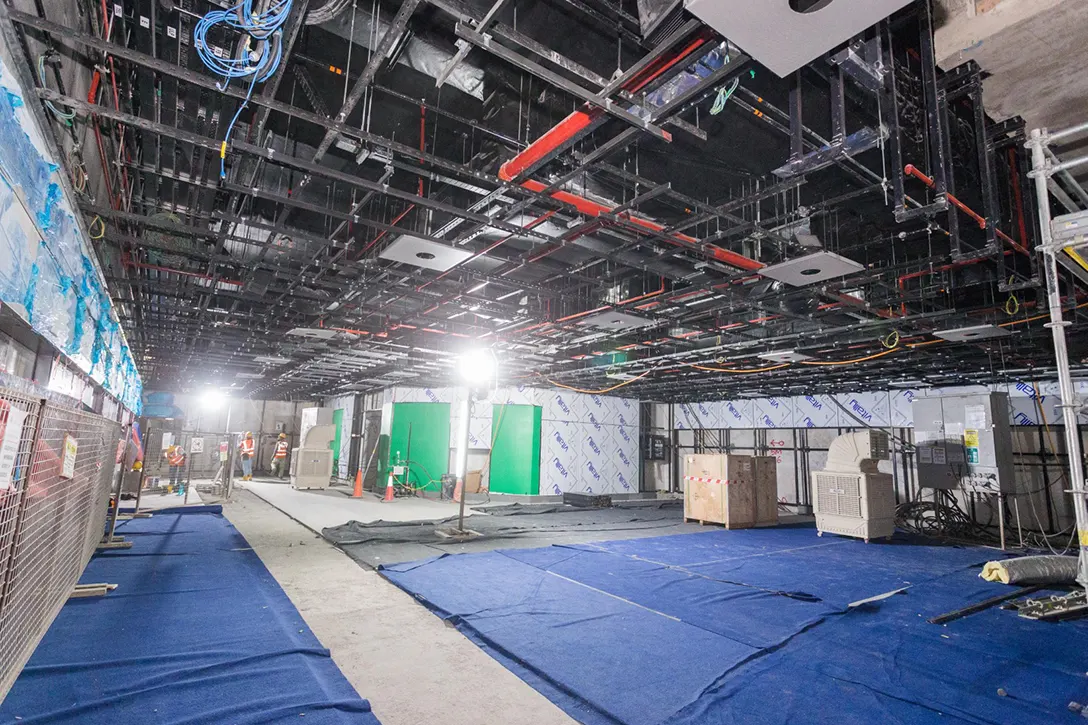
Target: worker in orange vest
(175,457)
(248,449)
(279,456)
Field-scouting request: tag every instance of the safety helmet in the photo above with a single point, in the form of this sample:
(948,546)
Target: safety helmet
(249,434)
(282,436)
(138,466)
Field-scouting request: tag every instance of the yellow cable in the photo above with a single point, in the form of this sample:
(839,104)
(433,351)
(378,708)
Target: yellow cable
(102,226)
(1013,302)
(850,362)
(892,345)
(602,391)
(740,372)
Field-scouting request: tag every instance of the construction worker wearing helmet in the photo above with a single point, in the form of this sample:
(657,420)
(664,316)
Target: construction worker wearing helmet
(175,457)
(247,449)
(279,456)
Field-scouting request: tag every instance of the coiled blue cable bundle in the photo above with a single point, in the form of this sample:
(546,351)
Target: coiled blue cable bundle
(261,56)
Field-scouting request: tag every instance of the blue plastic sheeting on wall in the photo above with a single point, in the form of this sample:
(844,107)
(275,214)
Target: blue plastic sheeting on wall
(45,268)
(197,631)
(601,659)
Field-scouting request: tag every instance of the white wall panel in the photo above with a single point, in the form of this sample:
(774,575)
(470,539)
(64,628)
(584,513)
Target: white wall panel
(868,408)
(815,411)
(772,412)
(902,408)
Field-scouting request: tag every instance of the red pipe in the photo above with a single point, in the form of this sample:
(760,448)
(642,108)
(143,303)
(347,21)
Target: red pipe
(578,122)
(910,170)
(376,239)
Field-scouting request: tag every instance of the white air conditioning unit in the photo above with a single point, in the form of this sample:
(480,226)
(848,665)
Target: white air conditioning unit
(851,496)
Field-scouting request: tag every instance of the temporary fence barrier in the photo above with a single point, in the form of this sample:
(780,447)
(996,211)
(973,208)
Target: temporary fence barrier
(57,467)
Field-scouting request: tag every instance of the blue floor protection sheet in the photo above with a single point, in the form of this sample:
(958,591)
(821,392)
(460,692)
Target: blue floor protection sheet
(756,626)
(197,631)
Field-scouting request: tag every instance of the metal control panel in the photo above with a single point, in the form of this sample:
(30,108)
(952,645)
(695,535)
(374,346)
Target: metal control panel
(964,442)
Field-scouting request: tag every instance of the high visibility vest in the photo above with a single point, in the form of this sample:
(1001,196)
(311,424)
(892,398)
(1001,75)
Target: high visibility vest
(281,450)
(249,446)
(176,457)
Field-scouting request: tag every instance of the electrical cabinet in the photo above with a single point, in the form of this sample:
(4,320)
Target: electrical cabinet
(964,442)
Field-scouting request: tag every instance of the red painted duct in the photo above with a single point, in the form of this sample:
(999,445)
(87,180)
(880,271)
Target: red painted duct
(581,120)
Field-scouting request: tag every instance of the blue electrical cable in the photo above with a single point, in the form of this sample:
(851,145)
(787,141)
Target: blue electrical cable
(262,50)
(230,128)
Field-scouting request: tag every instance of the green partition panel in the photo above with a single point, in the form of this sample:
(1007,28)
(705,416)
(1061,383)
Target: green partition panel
(515,449)
(421,433)
(338,421)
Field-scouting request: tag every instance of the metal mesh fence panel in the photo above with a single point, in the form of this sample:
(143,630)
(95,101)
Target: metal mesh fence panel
(51,519)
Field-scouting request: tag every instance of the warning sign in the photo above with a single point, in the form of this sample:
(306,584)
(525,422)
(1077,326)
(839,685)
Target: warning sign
(970,441)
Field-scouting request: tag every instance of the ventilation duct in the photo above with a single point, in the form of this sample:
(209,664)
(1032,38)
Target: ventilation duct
(418,54)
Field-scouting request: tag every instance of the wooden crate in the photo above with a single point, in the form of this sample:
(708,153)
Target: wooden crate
(765,477)
(726,496)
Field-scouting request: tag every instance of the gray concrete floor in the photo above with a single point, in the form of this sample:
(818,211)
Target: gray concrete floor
(319,509)
(410,665)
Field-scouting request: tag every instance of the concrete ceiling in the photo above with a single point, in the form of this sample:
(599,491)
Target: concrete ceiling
(1036,52)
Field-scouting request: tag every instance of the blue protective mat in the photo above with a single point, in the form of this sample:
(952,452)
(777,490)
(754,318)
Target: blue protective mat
(707,628)
(197,631)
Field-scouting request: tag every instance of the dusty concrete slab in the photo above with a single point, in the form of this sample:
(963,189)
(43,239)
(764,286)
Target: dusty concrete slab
(321,509)
(411,666)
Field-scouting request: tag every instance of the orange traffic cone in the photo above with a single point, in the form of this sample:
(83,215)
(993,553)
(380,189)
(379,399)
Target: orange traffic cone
(358,492)
(389,488)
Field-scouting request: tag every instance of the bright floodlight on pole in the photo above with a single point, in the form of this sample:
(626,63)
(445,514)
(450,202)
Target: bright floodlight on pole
(478,368)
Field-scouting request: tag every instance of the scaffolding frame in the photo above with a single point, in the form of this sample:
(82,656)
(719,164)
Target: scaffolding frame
(1043,169)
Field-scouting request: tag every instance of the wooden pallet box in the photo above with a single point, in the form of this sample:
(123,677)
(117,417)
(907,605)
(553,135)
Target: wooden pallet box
(765,470)
(719,489)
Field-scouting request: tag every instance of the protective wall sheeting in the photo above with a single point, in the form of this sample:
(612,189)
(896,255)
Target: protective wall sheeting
(46,273)
(864,409)
(879,409)
(588,443)
(773,412)
(816,411)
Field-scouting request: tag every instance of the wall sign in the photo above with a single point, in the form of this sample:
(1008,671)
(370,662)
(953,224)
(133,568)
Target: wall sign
(11,431)
(68,459)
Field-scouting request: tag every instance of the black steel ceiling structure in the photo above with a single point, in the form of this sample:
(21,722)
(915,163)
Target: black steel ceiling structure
(607,207)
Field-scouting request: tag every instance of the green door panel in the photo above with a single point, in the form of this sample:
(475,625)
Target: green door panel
(421,434)
(515,449)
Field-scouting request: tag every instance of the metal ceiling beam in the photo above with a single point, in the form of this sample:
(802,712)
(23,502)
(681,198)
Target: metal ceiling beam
(602,101)
(409,153)
(282,159)
(392,35)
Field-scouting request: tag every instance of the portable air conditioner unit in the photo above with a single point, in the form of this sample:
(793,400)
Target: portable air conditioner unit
(852,497)
(311,462)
